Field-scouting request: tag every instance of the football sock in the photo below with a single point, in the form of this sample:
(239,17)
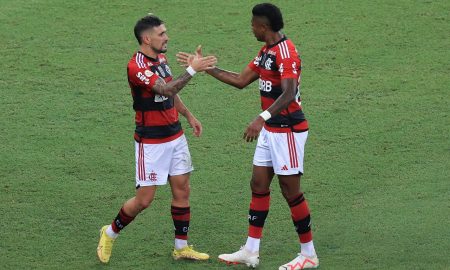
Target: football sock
(259,208)
(120,222)
(111,233)
(252,244)
(302,222)
(180,243)
(181,217)
(307,249)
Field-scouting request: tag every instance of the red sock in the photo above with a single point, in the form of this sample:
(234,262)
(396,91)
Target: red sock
(181,217)
(301,218)
(121,221)
(259,208)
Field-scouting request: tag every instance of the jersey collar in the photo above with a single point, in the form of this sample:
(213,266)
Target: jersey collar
(278,42)
(148,57)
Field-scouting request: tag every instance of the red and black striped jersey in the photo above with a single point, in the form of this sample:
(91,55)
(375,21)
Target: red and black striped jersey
(156,117)
(273,64)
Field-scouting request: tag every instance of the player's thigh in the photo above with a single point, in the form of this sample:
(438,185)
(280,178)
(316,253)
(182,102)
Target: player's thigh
(145,195)
(181,162)
(287,152)
(152,163)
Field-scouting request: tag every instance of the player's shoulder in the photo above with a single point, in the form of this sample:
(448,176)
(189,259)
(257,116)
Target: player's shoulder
(137,61)
(286,48)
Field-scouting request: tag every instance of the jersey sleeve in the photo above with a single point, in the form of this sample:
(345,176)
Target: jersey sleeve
(289,63)
(253,65)
(142,77)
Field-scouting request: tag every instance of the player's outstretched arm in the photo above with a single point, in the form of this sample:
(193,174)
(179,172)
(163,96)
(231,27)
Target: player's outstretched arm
(238,80)
(197,64)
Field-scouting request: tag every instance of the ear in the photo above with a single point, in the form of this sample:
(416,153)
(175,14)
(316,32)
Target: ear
(266,27)
(146,38)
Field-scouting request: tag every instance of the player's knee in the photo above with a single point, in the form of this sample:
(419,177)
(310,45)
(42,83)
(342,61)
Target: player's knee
(287,192)
(258,186)
(144,203)
(182,194)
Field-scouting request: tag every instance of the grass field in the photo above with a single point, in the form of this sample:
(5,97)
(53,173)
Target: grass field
(377,169)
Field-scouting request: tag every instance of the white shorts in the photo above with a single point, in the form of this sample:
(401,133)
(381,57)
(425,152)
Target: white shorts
(282,151)
(156,162)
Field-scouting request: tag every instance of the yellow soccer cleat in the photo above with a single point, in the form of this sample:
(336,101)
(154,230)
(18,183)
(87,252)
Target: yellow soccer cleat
(104,247)
(189,253)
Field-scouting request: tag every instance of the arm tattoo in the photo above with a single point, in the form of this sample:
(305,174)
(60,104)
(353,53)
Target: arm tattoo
(173,87)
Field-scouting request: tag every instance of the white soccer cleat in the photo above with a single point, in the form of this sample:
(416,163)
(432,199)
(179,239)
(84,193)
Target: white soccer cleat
(301,262)
(243,256)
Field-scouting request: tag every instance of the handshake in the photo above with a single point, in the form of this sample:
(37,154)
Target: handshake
(197,62)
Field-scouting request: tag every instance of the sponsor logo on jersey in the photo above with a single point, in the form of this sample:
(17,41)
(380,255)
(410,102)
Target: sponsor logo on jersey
(265,86)
(257,60)
(159,98)
(148,73)
(143,78)
(272,52)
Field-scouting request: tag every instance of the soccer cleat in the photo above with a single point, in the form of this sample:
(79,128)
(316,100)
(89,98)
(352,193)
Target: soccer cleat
(301,262)
(104,247)
(243,256)
(189,253)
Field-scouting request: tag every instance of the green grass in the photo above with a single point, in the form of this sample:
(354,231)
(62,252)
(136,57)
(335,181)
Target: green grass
(375,89)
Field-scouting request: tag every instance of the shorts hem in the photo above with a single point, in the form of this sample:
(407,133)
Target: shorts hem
(288,173)
(262,164)
(178,173)
(151,184)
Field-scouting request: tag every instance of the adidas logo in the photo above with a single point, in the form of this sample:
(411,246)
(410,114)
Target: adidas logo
(285,168)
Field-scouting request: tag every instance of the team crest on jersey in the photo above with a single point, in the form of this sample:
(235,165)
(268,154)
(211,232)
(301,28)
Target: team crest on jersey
(268,64)
(148,73)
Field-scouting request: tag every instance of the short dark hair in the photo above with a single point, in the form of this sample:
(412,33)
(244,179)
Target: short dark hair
(272,13)
(144,24)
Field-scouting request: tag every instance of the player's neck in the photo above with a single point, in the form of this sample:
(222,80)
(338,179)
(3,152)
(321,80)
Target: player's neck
(273,38)
(149,51)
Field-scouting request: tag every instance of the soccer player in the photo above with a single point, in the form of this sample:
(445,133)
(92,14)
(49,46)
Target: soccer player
(282,129)
(161,148)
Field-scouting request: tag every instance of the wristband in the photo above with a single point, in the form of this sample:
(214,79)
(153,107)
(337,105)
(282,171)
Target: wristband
(265,115)
(191,71)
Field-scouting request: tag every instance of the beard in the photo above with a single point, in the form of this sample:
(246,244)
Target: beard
(258,38)
(160,50)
